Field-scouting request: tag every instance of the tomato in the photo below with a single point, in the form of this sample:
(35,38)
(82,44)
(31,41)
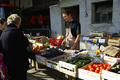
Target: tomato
(100,64)
(109,65)
(92,69)
(97,71)
(105,65)
(98,68)
(101,68)
(95,65)
(100,72)
(88,69)
(89,66)
(40,46)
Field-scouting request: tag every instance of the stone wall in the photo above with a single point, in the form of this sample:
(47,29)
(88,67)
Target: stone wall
(85,16)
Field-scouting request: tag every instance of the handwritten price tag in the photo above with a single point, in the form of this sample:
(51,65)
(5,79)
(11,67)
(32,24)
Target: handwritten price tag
(66,65)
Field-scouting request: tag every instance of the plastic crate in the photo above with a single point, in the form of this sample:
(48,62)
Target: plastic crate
(55,42)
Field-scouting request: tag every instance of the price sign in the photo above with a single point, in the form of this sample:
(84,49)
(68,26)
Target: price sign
(66,65)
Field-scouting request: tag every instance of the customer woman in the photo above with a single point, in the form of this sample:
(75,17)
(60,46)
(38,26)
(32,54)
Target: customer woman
(3,24)
(14,45)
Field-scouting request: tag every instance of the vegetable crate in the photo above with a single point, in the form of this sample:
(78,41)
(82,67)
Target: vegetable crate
(112,59)
(67,68)
(55,42)
(84,73)
(60,58)
(108,74)
(113,42)
(70,67)
(51,63)
(41,60)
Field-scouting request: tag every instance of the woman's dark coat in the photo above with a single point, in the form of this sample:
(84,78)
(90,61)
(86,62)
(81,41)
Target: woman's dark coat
(14,45)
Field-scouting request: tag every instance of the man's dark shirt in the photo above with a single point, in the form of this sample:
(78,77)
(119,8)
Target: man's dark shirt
(74,26)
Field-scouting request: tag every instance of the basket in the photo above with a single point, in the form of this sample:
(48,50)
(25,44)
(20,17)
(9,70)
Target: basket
(55,42)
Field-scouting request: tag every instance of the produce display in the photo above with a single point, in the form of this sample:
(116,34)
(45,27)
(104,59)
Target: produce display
(51,53)
(63,47)
(52,49)
(80,62)
(41,39)
(96,67)
(37,48)
(115,68)
(79,53)
(55,42)
(98,58)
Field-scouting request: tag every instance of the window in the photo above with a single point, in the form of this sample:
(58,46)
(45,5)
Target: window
(102,12)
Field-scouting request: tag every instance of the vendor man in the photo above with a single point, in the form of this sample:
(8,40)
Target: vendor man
(73,30)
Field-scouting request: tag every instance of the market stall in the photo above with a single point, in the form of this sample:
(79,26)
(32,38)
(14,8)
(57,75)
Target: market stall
(88,64)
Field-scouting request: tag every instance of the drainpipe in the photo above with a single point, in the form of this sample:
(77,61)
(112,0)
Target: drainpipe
(19,4)
(2,12)
(14,2)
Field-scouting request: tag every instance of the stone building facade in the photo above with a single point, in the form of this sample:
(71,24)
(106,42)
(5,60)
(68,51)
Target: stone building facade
(94,15)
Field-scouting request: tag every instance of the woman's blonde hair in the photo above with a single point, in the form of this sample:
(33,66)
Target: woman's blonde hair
(13,19)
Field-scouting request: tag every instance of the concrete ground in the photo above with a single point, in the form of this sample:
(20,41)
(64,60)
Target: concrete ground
(44,73)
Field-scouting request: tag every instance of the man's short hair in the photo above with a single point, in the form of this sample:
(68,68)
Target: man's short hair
(13,19)
(66,11)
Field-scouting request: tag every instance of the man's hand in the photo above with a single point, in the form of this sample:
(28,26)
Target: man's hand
(73,47)
(76,42)
(63,42)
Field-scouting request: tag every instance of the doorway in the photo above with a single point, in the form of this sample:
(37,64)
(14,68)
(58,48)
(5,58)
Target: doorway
(75,13)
